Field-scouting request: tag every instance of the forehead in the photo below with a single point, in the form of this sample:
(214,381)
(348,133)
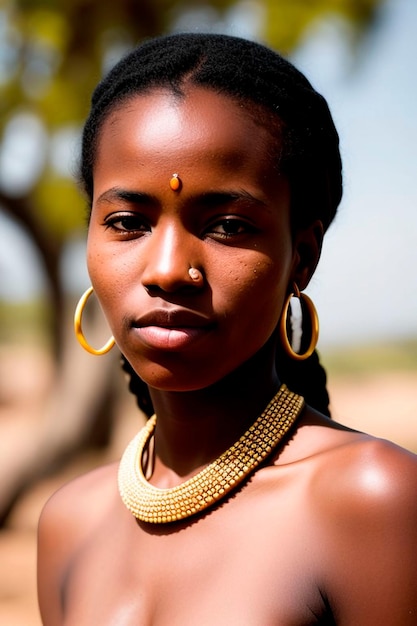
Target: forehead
(166,123)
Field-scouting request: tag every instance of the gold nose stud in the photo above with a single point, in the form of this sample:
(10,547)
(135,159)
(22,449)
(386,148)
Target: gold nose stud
(175,182)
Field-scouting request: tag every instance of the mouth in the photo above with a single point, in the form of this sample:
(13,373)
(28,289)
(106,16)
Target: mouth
(171,329)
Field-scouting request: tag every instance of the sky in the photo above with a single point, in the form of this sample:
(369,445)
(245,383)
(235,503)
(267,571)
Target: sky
(365,288)
(366,285)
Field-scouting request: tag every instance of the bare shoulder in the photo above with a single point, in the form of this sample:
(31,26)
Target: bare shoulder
(80,502)
(68,519)
(366,472)
(353,464)
(362,496)
(365,481)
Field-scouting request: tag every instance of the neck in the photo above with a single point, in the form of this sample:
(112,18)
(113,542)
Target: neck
(195,427)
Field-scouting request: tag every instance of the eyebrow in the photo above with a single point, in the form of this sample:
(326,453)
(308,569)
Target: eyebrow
(234,195)
(116,194)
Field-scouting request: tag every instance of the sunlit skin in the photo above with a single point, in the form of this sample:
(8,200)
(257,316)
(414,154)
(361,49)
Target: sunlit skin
(328,521)
(230,220)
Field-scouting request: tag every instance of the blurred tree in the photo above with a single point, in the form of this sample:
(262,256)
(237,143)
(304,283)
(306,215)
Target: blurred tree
(52,53)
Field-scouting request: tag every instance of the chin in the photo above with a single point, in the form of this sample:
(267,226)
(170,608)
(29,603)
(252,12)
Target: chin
(179,379)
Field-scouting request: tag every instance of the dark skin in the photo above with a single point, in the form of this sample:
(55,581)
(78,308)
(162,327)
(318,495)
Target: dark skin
(325,532)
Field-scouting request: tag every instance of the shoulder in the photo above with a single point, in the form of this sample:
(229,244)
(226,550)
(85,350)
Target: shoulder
(365,495)
(81,501)
(348,467)
(68,519)
(368,470)
(353,463)
(356,477)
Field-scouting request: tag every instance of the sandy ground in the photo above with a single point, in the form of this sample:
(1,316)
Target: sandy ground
(385,405)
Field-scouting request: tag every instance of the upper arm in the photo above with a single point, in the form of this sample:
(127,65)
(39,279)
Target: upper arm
(373,533)
(52,560)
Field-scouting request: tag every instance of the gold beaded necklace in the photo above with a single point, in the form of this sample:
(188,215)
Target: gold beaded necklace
(159,506)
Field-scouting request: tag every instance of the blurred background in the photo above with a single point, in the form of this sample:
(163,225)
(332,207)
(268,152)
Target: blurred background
(63,411)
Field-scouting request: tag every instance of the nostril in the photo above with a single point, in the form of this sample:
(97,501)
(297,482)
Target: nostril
(184,288)
(160,278)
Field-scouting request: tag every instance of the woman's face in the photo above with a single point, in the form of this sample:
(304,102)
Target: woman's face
(230,219)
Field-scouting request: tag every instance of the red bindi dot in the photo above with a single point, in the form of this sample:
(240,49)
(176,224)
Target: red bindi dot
(175,182)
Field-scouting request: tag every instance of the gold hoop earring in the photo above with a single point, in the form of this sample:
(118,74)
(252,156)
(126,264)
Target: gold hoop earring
(314,320)
(79,332)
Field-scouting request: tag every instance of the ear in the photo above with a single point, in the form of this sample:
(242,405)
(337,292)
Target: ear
(307,250)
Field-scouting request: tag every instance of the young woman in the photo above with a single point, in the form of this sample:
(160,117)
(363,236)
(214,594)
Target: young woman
(213,170)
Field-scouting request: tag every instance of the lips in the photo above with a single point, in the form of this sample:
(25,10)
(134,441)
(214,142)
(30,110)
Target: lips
(171,329)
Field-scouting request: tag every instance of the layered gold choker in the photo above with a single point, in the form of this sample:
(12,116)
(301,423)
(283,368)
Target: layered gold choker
(159,506)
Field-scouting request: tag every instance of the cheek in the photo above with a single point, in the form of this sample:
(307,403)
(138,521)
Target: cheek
(256,289)
(106,275)
(96,263)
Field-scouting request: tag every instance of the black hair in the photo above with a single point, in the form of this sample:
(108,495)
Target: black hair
(252,74)
(261,80)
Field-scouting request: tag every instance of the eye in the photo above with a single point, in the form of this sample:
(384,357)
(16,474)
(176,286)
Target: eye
(127,223)
(229,227)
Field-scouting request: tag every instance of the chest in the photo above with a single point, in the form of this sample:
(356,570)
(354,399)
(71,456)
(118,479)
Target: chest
(250,562)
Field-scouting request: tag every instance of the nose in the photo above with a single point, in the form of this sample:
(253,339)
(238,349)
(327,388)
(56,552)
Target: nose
(170,253)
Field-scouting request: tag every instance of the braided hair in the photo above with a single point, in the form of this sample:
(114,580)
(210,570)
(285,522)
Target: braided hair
(267,85)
